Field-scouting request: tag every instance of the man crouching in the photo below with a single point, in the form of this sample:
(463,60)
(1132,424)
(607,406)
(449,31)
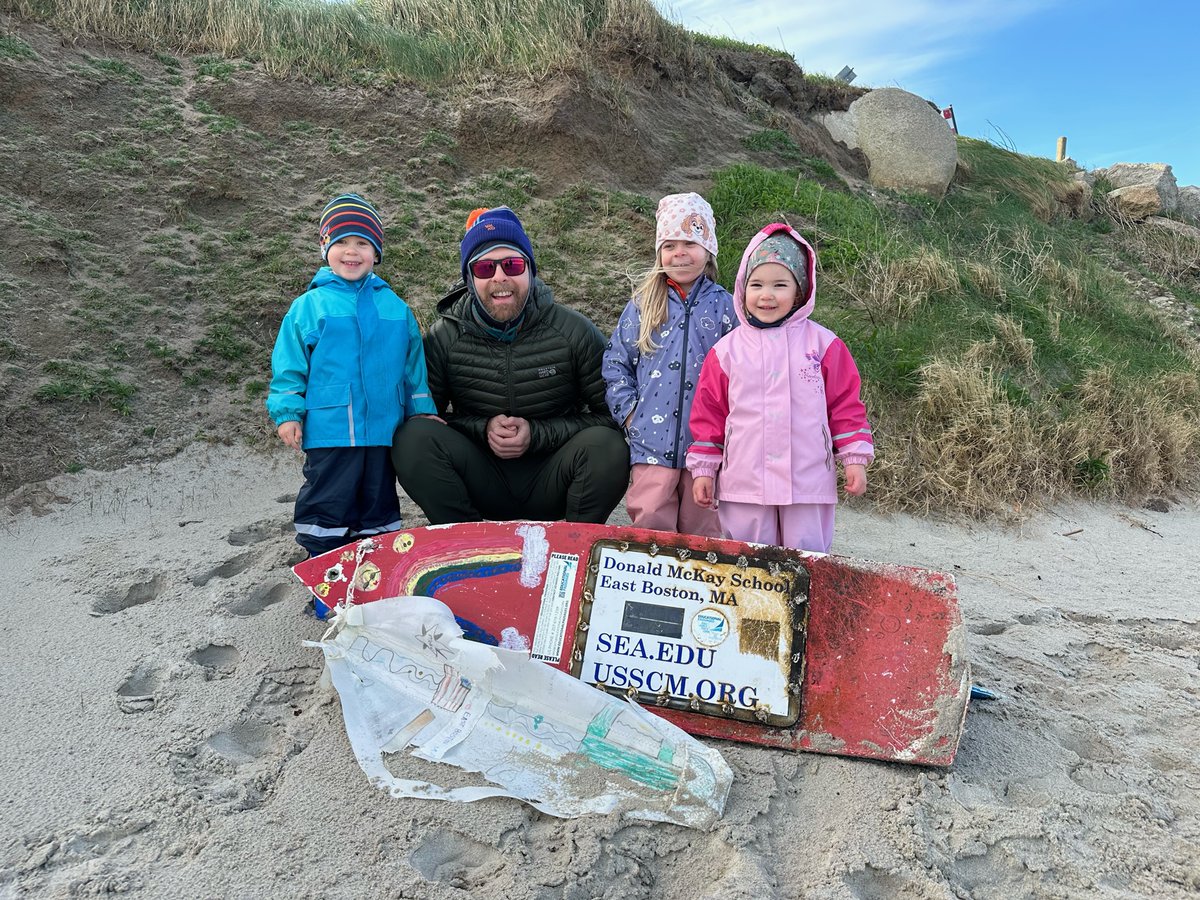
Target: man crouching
(517,378)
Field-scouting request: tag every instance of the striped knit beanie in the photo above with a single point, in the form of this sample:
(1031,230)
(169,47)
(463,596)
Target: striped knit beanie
(350,214)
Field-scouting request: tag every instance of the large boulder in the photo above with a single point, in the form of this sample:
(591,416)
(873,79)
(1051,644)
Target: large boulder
(1188,231)
(907,143)
(1189,203)
(1137,201)
(1159,175)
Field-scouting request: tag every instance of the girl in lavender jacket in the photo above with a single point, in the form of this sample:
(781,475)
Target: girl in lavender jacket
(778,402)
(653,361)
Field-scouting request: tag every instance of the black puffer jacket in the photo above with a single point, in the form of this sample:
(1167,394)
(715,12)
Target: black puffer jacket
(549,374)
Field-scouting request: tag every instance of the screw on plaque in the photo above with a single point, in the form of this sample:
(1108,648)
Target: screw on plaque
(711,556)
(623,546)
(587,596)
(796,657)
(577,655)
(662,698)
(582,626)
(726,707)
(602,684)
(693,701)
(793,688)
(742,562)
(773,567)
(631,692)
(762,711)
(652,549)
(594,568)
(683,553)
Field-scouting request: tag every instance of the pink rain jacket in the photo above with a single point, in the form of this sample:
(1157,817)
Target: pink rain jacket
(776,406)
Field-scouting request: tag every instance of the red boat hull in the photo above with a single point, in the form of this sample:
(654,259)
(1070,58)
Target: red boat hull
(880,668)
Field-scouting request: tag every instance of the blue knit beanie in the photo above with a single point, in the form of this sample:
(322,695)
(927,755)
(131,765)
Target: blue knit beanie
(350,215)
(499,226)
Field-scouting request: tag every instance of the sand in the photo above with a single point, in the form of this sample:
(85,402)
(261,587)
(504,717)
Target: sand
(165,736)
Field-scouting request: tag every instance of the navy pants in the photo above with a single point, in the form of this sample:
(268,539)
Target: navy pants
(348,493)
(453,479)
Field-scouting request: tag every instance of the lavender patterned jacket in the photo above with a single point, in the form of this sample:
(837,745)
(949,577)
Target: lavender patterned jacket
(658,388)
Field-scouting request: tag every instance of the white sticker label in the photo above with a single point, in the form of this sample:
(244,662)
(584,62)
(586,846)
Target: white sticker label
(690,629)
(556,606)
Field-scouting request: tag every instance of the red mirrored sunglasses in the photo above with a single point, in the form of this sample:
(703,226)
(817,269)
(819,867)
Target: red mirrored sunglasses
(486,268)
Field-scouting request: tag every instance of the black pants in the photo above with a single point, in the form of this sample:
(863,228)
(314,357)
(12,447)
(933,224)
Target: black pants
(348,492)
(453,479)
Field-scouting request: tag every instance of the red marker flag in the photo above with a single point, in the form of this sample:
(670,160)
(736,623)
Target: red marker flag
(948,113)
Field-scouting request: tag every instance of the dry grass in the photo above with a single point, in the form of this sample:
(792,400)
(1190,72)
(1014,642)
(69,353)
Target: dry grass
(973,450)
(1173,255)
(1066,284)
(1143,436)
(986,278)
(1013,346)
(969,449)
(1021,259)
(423,40)
(892,288)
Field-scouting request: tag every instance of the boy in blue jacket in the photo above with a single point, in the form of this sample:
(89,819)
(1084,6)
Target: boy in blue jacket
(347,369)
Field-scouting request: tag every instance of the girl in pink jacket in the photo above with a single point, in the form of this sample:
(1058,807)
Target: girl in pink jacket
(777,403)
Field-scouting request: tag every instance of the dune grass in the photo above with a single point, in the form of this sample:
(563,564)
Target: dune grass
(374,41)
(1004,365)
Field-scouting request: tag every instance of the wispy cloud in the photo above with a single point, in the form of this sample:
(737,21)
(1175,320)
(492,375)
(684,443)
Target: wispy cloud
(885,41)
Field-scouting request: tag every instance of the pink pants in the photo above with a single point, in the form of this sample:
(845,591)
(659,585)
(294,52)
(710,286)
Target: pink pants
(802,526)
(660,497)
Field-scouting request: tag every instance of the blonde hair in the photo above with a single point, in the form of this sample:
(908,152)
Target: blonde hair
(650,297)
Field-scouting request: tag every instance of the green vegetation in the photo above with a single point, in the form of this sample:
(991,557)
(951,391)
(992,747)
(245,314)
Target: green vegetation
(371,42)
(217,123)
(215,67)
(15,48)
(719,42)
(1004,365)
(116,69)
(79,381)
(773,140)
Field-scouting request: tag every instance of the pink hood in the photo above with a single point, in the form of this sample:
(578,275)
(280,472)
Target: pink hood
(739,286)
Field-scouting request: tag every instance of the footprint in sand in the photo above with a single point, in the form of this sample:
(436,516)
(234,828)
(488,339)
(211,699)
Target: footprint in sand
(455,860)
(136,693)
(236,767)
(135,595)
(235,566)
(243,743)
(258,599)
(257,533)
(217,660)
(284,693)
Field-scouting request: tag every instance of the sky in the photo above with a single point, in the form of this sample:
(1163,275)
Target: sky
(1119,80)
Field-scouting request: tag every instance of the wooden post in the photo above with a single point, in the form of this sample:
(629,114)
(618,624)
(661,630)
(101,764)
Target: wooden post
(1062,149)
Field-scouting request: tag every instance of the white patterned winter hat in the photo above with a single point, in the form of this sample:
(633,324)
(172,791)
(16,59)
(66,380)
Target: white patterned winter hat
(685,217)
